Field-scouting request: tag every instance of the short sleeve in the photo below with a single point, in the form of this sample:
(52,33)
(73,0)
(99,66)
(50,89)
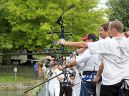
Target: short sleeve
(100,59)
(99,47)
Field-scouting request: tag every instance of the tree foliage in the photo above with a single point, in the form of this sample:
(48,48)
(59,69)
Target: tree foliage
(25,23)
(119,10)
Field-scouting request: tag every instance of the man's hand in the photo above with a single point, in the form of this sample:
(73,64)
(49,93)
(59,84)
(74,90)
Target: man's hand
(49,58)
(62,41)
(46,77)
(62,67)
(74,54)
(96,79)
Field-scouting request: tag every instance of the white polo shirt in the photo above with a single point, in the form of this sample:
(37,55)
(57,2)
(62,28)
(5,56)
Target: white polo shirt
(115,53)
(88,62)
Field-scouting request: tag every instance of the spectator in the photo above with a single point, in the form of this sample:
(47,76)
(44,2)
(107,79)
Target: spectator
(40,73)
(54,85)
(36,66)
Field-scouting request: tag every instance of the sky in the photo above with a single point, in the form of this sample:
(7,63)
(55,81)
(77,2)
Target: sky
(103,1)
(102,4)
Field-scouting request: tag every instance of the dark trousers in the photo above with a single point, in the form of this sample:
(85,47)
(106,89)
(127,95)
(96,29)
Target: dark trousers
(67,90)
(110,90)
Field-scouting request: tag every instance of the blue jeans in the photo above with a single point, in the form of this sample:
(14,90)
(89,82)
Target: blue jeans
(88,88)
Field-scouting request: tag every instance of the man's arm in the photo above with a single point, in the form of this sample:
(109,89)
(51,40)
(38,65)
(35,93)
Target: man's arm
(99,47)
(82,58)
(77,52)
(81,50)
(99,72)
(73,44)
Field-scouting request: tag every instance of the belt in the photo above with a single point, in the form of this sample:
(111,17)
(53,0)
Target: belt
(88,72)
(88,75)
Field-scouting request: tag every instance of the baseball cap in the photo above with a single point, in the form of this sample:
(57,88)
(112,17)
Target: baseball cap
(89,36)
(85,37)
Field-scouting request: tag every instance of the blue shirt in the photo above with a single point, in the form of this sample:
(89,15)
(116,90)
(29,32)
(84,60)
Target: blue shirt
(36,67)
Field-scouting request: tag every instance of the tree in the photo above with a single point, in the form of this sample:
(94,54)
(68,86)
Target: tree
(119,10)
(5,28)
(26,22)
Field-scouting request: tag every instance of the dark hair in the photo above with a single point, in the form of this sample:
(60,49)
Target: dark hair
(105,26)
(92,36)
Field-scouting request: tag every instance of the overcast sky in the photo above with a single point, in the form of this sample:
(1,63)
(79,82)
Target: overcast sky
(103,1)
(102,4)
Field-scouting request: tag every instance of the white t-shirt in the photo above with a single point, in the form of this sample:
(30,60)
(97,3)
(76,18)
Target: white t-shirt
(115,54)
(88,62)
(55,81)
(77,84)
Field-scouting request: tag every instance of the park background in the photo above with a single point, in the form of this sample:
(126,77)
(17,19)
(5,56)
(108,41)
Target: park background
(25,24)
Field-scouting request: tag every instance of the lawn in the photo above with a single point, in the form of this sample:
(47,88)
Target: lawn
(23,74)
(11,78)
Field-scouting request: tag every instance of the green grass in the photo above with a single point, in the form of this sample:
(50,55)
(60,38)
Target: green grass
(11,78)
(24,74)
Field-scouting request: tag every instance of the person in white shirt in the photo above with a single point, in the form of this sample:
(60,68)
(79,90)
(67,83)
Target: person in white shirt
(54,84)
(103,33)
(89,65)
(76,81)
(115,53)
(74,77)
